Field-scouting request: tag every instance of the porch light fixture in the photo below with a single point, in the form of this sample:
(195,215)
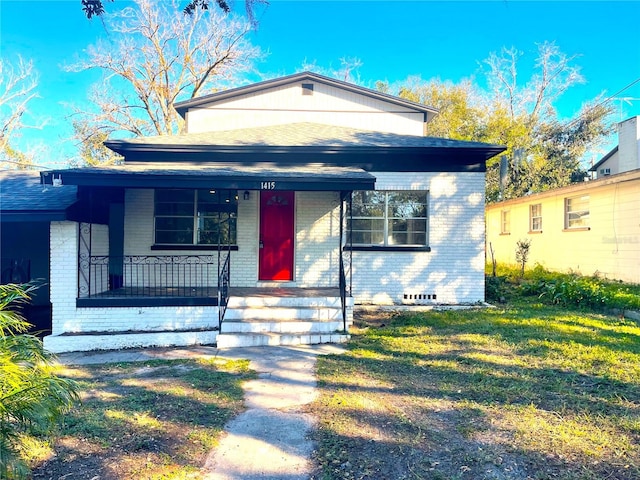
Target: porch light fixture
(246,195)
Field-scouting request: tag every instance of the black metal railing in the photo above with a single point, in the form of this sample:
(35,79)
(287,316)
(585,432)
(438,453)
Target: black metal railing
(224,275)
(149,276)
(345,278)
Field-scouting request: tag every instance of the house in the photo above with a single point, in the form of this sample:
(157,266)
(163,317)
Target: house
(591,227)
(285,202)
(27,209)
(626,155)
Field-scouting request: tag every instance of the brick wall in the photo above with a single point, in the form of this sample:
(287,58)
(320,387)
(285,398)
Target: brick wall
(317,239)
(453,270)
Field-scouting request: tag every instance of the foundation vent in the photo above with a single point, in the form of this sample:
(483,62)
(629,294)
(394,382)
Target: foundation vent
(419,297)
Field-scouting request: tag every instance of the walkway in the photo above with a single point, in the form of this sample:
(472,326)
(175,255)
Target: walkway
(269,440)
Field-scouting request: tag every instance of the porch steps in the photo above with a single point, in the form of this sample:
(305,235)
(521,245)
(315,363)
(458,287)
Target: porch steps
(273,320)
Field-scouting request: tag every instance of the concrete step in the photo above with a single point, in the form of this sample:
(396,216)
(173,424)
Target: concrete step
(274,301)
(287,326)
(238,340)
(282,313)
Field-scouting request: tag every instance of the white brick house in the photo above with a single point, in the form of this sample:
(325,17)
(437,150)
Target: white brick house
(285,200)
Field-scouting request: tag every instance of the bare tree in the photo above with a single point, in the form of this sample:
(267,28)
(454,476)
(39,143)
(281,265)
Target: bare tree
(519,113)
(18,83)
(554,73)
(155,58)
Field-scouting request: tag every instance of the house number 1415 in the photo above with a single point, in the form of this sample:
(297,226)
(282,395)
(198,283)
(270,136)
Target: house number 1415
(267,185)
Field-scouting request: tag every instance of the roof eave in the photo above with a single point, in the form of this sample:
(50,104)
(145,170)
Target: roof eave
(124,148)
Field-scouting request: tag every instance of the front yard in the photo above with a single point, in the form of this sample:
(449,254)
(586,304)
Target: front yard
(524,391)
(520,392)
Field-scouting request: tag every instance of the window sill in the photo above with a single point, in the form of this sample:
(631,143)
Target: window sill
(194,247)
(576,229)
(505,233)
(535,232)
(384,248)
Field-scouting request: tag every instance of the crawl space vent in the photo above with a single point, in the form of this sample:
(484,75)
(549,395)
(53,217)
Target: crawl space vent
(417,298)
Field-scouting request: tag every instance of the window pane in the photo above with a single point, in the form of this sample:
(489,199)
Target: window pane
(175,209)
(174,195)
(409,238)
(407,204)
(577,211)
(174,223)
(173,237)
(367,204)
(408,232)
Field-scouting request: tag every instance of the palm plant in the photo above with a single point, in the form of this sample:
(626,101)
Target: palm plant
(32,397)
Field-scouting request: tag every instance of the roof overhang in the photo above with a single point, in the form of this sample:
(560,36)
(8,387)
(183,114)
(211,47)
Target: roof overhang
(254,176)
(380,159)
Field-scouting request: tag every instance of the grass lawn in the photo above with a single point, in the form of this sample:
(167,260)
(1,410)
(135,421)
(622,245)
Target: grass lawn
(526,391)
(146,420)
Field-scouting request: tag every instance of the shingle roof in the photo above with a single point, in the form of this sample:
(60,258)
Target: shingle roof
(297,135)
(22,194)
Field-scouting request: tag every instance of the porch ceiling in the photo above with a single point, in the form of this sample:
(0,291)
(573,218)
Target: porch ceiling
(241,176)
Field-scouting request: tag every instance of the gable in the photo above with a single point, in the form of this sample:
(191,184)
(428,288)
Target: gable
(305,98)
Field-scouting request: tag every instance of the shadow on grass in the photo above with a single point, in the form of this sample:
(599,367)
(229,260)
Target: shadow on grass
(393,407)
(144,421)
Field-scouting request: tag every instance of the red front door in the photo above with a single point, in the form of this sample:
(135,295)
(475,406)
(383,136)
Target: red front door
(276,235)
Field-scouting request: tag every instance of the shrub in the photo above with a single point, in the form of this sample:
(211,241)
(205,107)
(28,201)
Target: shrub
(32,397)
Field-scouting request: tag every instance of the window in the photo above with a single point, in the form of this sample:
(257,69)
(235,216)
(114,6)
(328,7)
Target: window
(505,222)
(195,217)
(576,212)
(396,218)
(535,217)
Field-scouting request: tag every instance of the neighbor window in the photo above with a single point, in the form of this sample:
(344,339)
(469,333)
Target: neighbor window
(392,218)
(195,217)
(505,222)
(576,212)
(535,217)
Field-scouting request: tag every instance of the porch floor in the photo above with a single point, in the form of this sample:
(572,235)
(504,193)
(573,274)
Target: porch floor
(176,296)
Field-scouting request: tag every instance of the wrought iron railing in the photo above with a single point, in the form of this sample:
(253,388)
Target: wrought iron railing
(149,275)
(224,275)
(345,267)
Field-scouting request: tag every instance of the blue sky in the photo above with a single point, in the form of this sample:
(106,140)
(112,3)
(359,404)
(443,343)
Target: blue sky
(392,39)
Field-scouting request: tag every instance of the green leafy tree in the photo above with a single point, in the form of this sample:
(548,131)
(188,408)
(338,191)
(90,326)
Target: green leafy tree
(32,397)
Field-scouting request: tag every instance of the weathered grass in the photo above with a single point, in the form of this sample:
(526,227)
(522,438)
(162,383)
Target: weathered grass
(150,420)
(528,391)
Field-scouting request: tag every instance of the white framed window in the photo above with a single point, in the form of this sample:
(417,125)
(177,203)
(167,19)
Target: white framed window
(389,218)
(505,222)
(195,217)
(576,212)
(535,217)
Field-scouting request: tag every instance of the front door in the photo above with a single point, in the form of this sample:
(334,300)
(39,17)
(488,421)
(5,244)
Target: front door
(276,235)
